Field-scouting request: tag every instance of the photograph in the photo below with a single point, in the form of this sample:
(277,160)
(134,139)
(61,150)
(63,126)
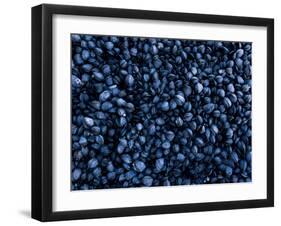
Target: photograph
(159,111)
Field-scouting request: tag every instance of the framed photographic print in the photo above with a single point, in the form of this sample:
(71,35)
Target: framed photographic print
(146,112)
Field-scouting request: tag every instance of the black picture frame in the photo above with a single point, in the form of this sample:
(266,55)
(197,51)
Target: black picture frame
(42,111)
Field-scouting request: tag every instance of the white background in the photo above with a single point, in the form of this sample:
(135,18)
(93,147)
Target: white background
(15,112)
(65,199)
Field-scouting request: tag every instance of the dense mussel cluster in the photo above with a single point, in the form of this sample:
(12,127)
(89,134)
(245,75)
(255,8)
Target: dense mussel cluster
(159,112)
